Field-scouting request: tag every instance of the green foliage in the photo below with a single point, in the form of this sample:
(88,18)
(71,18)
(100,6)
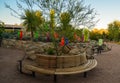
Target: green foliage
(95,35)
(50,51)
(67,33)
(86,34)
(7,35)
(1,29)
(32,20)
(66,29)
(114,31)
(11,35)
(65,19)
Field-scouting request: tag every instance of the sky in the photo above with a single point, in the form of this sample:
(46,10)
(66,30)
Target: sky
(107,10)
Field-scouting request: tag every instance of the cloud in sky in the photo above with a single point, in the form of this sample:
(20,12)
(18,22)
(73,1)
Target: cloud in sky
(108,11)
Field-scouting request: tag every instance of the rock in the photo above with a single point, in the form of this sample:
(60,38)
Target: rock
(39,50)
(30,52)
(83,58)
(31,55)
(11,43)
(4,43)
(74,51)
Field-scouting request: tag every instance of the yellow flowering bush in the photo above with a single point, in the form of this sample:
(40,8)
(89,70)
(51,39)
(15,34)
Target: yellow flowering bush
(52,16)
(52,12)
(65,18)
(38,13)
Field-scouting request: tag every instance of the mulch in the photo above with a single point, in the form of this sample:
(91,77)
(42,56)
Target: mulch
(107,70)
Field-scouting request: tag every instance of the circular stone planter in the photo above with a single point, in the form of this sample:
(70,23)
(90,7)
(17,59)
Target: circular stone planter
(66,61)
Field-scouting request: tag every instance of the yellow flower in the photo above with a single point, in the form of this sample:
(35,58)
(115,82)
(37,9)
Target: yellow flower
(38,13)
(52,12)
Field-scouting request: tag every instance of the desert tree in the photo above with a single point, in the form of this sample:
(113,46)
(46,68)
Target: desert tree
(114,30)
(81,14)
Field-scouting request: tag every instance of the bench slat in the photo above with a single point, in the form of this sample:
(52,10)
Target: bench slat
(80,69)
(39,70)
(73,70)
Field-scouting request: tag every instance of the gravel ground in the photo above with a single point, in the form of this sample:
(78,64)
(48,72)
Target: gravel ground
(107,70)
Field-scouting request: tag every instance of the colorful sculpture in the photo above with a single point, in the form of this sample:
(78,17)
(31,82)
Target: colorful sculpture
(20,34)
(62,43)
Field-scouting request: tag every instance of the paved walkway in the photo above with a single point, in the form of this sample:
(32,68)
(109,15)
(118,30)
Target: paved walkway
(107,70)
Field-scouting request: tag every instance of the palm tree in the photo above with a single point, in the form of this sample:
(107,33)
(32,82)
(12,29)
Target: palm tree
(32,20)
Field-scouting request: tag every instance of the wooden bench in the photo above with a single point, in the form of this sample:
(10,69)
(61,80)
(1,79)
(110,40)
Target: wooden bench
(89,65)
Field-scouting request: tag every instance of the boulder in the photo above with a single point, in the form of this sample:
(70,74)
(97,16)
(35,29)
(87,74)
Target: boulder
(74,51)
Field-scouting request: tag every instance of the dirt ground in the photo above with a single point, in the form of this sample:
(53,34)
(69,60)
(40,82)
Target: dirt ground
(107,70)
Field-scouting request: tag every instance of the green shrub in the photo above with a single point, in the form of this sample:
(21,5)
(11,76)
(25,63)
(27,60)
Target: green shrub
(50,51)
(7,35)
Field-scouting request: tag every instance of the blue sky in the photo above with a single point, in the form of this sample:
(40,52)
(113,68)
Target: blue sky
(108,11)
(5,14)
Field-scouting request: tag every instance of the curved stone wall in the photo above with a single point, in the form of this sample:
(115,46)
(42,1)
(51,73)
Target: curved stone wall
(66,61)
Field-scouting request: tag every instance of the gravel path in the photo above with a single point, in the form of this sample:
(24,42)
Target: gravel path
(107,70)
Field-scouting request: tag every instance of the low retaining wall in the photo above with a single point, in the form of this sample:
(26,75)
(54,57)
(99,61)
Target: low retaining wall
(25,45)
(66,61)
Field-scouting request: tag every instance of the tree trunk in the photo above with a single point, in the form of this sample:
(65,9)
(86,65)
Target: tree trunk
(0,41)
(32,34)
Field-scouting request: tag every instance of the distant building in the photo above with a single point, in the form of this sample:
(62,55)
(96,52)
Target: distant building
(9,27)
